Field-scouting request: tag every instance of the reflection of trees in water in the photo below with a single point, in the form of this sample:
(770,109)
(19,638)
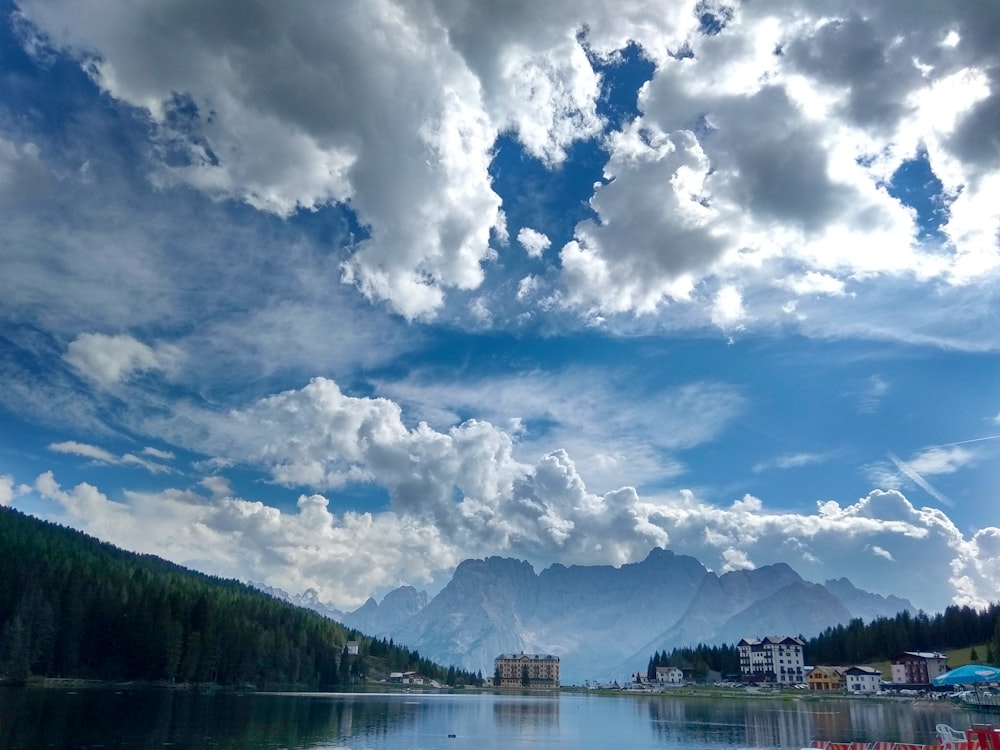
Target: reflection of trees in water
(527,714)
(138,719)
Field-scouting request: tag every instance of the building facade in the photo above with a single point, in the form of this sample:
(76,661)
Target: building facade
(526,670)
(773,659)
(867,680)
(825,678)
(917,667)
(669,676)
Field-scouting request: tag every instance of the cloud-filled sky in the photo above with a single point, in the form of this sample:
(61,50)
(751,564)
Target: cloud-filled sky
(336,295)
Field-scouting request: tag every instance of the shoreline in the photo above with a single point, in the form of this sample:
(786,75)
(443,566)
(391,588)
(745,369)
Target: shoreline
(682,692)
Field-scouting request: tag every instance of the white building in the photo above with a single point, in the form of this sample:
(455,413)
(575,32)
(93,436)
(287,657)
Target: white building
(867,680)
(775,659)
(669,676)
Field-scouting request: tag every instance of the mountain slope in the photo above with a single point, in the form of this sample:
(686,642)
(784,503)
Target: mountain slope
(73,606)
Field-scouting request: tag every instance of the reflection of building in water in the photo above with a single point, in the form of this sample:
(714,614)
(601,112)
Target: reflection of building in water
(528,714)
(732,722)
(526,670)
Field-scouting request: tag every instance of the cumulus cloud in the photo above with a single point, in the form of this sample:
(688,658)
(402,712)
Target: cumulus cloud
(394,110)
(469,488)
(279,111)
(107,360)
(545,514)
(7,491)
(839,101)
(728,312)
(535,243)
(580,411)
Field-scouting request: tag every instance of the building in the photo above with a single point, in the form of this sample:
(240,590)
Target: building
(669,676)
(825,678)
(526,670)
(352,647)
(867,680)
(406,678)
(774,659)
(917,667)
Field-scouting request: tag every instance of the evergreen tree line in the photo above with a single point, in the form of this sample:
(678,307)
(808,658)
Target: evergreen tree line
(71,606)
(858,642)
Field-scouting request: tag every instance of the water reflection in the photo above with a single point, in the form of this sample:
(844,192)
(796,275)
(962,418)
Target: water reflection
(182,720)
(796,722)
(532,714)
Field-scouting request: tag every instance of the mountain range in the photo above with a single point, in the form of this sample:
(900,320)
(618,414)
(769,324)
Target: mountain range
(603,622)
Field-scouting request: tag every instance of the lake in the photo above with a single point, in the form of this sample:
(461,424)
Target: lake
(37,718)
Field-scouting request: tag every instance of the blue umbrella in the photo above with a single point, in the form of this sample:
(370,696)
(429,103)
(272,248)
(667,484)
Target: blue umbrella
(970,674)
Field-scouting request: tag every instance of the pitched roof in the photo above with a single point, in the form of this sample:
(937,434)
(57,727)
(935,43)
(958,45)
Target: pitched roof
(527,657)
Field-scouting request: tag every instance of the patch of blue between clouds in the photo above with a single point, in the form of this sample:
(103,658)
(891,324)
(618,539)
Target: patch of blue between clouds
(555,200)
(915,185)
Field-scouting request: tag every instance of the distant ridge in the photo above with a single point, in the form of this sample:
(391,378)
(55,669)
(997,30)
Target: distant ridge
(604,622)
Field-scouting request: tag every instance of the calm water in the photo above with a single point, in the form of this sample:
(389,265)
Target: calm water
(33,719)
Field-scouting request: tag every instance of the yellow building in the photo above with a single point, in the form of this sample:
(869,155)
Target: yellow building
(526,670)
(827,678)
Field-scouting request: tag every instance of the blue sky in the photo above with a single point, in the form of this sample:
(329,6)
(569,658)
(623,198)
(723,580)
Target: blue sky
(336,297)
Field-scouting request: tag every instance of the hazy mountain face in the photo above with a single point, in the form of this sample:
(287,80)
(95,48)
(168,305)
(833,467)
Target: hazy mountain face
(605,622)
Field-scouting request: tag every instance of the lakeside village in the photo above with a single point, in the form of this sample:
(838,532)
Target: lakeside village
(773,663)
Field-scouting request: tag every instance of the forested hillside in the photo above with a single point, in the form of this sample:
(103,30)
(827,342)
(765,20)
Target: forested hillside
(72,606)
(863,643)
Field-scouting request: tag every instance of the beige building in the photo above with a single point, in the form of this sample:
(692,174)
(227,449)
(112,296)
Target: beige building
(526,670)
(827,678)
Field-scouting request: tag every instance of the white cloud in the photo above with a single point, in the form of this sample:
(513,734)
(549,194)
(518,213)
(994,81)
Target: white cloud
(83,449)
(790,461)
(7,492)
(158,453)
(107,360)
(103,456)
(735,559)
(879,552)
(402,135)
(728,312)
(394,110)
(528,286)
(535,243)
(882,542)
(582,411)
(814,282)
(218,486)
(942,459)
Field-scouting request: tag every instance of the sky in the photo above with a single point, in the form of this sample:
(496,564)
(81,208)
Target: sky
(336,295)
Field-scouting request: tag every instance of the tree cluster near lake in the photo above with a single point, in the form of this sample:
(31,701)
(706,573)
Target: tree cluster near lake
(72,606)
(861,643)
